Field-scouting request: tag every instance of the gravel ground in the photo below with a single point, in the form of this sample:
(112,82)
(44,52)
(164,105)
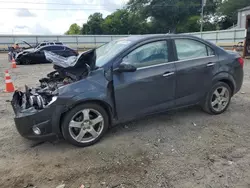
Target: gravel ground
(181,149)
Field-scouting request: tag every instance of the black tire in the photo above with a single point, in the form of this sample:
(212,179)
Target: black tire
(69,115)
(207,105)
(18,62)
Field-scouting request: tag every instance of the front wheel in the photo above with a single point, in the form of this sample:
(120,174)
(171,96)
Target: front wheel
(85,124)
(218,99)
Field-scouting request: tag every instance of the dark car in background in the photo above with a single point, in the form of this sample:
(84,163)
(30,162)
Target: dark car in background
(36,55)
(124,80)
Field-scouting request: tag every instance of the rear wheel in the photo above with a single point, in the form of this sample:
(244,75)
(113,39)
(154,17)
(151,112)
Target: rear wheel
(85,124)
(218,99)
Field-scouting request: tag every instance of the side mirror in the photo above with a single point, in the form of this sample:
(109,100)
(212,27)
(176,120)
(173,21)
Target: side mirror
(125,68)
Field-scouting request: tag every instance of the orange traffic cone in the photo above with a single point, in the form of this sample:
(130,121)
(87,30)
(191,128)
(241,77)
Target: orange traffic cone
(9,87)
(13,63)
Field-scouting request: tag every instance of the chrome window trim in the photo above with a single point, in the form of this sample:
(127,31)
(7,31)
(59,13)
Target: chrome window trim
(194,58)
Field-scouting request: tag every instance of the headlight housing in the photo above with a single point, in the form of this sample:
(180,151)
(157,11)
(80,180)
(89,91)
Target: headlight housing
(53,100)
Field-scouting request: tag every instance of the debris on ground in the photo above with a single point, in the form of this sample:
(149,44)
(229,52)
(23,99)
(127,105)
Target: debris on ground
(209,154)
(61,186)
(29,185)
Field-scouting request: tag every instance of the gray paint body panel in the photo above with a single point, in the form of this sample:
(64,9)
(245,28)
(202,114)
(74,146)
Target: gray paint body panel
(133,94)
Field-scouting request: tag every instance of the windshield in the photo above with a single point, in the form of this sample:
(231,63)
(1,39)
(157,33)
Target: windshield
(108,51)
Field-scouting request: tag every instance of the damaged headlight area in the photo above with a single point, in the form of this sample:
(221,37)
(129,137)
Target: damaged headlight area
(42,96)
(35,98)
(67,70)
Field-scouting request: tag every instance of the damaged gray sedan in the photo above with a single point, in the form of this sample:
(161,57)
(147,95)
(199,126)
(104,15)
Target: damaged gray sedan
(123,80)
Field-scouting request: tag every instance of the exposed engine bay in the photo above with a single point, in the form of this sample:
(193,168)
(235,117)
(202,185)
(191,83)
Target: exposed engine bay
(41,96)
(67,71)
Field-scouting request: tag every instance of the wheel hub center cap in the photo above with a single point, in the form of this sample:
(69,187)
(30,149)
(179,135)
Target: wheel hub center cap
(86,124)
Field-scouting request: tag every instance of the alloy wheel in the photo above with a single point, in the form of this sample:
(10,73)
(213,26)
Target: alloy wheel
(220,99)
(86,125)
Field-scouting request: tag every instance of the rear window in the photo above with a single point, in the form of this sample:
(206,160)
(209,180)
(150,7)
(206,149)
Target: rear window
(69,49)
(192,49)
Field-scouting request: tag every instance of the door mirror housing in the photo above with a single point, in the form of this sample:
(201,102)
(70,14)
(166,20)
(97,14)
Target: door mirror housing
(125,68)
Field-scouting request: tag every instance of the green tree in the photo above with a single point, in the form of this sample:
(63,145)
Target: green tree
(227,12)
(192,24)
(166,15)
(94,24)
(85,29)
(116,23)
(124,22)
(228,9)
(163,16)
(74,29)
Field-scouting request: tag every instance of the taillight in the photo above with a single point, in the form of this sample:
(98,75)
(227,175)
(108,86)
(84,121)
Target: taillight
(241,61)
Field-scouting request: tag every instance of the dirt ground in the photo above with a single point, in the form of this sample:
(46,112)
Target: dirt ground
(181,149)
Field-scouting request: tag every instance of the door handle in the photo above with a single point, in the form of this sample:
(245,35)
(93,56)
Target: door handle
(168,74)
(210,64)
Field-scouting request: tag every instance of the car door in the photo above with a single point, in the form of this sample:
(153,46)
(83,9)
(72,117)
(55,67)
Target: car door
(151,88)
(195,64)
(39,54)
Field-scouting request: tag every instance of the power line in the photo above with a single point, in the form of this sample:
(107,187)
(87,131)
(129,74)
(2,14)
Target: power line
(104,4)
(58,9)
(56,3)
(79,9)
(68,9)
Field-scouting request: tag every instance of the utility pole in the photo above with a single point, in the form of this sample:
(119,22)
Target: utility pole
(203,3)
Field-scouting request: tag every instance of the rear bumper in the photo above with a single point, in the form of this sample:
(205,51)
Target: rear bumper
(238,77)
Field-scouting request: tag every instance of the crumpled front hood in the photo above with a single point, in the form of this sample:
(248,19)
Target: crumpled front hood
(80,61)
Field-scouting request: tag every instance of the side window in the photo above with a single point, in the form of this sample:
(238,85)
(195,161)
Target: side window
(54,48)
(45,48)
(57,48)
(188,49)
(148,54)
(210,51)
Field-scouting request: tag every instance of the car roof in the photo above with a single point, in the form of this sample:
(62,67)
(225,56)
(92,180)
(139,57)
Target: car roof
(136,38)
(56,45)
(51,42)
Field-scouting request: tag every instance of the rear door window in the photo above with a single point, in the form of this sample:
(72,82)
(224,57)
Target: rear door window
(190,49)
(55,49)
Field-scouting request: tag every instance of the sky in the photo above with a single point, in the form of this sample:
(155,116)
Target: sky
(43,17)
